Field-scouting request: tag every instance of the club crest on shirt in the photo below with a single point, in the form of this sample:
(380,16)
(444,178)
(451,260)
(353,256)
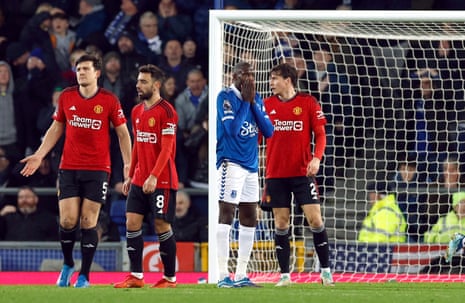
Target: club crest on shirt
(98,109)
(227,107)
(297,110)
(233,194)
(151,121)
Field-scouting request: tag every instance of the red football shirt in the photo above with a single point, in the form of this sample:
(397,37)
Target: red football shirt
(87,128)
(289,149)
(153,129)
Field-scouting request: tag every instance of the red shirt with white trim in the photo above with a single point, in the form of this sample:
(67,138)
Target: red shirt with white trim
(87,128)
(154,144)
(289,149)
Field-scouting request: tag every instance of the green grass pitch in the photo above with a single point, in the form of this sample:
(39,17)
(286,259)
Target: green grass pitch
(203,293)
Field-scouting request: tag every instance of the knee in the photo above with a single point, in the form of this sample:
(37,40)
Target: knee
(68,222)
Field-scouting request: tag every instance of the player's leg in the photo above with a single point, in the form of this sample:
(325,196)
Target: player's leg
(89,239)
(163,204)
(69,206)
(231,178)
(136,206)
(312,210)
(247,225)
(278,196)
(69,217)
(94,187)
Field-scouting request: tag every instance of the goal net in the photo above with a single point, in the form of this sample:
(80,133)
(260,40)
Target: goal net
(391,85)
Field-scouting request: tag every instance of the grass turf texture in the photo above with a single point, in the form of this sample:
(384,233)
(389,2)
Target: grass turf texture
(391,292)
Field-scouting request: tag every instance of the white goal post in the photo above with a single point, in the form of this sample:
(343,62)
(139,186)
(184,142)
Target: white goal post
(379,116)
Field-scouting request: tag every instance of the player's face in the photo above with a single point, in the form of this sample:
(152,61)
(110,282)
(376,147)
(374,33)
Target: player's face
(146,86)
(242,75)
(86,74)
(278,84)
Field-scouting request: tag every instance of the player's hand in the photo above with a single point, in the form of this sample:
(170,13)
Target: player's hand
(149,185)
(126,186)
(32,164)
(248,90)
(313,167)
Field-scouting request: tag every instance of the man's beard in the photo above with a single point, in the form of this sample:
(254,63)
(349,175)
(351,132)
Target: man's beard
(145,96)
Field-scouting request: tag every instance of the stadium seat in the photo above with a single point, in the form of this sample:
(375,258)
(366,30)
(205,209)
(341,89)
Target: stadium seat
(118,216)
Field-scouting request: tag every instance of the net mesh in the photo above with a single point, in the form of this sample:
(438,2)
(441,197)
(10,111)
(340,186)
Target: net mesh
(393,94)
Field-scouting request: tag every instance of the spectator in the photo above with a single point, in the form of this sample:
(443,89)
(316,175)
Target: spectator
(125,20)
(406,183)
(448,225)
(331,87)
(25,221)
(68,77)
(187,225)
(297,60)
(199,10)
(188,101)
(112,81)
(173,63)
(169,90)
(91,26)
(192,57)
(425,129)
(36,95)
(384,222)
(187,104)
(4,167)
(35,32)
(196,145)
(130,59)
(9,119)
(149,40)
(450,180)
(63,40)
(5,34)
(45,177)
(171,24)
(16,55)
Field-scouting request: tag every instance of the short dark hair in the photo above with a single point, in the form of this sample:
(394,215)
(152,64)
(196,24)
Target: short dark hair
(286,70)
(240,66)
(155,72)
(96,61)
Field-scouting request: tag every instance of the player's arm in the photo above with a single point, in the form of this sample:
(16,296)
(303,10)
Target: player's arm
(132,168)
(320,145)
(167,143)
(53,134)
(232,118)
(262,118)
(125,146)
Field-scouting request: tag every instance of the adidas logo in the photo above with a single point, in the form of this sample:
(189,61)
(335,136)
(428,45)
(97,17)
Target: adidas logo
(273,112)
(89,245)
(130,248)
(72,108)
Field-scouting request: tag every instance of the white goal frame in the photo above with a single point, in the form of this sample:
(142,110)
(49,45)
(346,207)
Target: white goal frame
(216,73)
